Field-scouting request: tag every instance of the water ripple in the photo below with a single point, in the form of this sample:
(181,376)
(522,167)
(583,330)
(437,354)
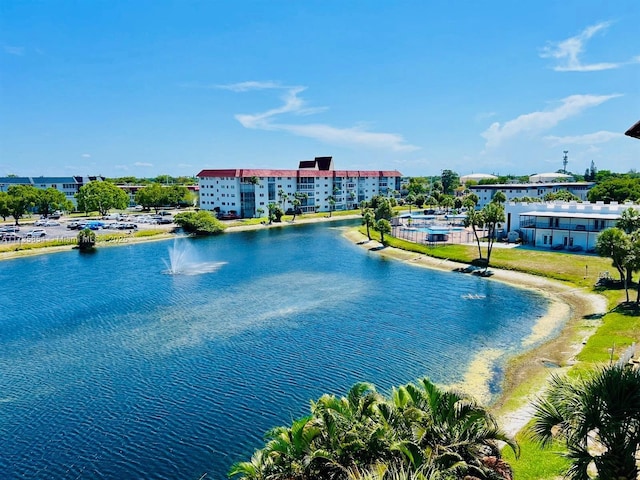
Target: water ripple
(143,375)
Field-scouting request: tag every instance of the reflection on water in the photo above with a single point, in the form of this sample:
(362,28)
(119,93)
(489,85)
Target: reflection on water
(111,369)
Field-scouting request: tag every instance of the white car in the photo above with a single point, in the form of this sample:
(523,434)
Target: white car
(40,223)
(51,223)
(36,232)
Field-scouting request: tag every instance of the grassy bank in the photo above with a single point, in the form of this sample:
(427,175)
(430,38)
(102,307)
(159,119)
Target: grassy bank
(606,337)
(41,245)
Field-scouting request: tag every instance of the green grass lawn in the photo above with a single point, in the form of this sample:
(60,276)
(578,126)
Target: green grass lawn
(536,463)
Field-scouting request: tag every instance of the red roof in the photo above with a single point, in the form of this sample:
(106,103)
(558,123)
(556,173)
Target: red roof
(257,172)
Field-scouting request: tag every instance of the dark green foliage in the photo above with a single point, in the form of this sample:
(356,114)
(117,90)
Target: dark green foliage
(199,223)
(384,227)
(275,212)
(4,205)
(101,197)
(562,195)
(368,220)
(616,189)
(450,181)
(419,429)
(20,199)
(157,196)
(86,239)
(50,200)
(598,417)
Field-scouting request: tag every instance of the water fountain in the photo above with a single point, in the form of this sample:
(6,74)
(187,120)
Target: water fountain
(184,261)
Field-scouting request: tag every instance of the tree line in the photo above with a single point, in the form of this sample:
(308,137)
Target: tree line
(19,200)
(443,189)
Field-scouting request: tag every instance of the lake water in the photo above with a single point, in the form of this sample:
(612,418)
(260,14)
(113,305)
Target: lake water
(110,368)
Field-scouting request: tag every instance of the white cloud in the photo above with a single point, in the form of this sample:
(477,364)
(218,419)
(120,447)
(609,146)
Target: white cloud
(484,116)
(587,139)
(142,164)
(568,52)
(86,155)
(246,86)
(539,121)
(12,50)
(293,104)
(121,167)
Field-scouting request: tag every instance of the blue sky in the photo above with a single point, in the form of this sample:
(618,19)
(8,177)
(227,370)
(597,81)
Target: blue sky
(152,87)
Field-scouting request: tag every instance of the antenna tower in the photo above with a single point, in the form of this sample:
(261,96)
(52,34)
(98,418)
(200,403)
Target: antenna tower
(565,160)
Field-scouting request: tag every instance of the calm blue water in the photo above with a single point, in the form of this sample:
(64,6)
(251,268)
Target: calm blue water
(112,369)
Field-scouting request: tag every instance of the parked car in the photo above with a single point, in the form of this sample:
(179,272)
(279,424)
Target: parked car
(36,232)
(10,229)
(51,223)
(75,225)
(9,237)
(40,223)
(94,225)
(127,226)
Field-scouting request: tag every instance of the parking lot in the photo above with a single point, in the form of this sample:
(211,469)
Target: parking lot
(30,228)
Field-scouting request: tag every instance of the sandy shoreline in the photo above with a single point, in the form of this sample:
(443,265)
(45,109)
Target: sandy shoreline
(568,308)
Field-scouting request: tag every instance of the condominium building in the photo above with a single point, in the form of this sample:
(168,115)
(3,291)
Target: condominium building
(563,225)
(248,192)
(67,185)
(532,190)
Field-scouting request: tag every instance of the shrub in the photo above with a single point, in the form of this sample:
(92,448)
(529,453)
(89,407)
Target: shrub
(86,239)
(199,223)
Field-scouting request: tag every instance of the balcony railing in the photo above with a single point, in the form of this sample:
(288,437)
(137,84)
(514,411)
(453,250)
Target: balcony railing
(564,226)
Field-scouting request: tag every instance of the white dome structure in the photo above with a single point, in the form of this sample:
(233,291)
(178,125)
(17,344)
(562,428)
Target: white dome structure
(550,177)
(476,177)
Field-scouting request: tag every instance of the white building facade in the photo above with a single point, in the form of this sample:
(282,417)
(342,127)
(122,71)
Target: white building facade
(572,226)
(485,193)
(248,192)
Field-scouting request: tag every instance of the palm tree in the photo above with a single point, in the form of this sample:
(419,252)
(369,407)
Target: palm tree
(283,198)
(410,199)
(617,245)
(447,202)
(383,226)
(350,434)
(499,197)
(492,215)
(295,203)
(598,416)
(352,196)
(332,203)
(86,240)
(629,220)
(291,449)
(451,428)
(258,468)
(368,220)
(475,220)
(634,258)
